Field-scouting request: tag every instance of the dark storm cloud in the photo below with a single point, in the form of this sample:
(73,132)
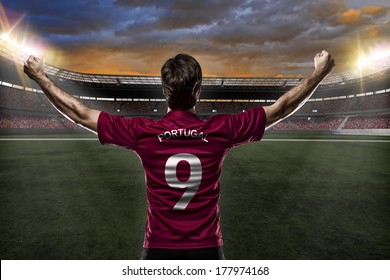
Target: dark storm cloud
(63,17)
(231,37)
(184,17)
(176,14)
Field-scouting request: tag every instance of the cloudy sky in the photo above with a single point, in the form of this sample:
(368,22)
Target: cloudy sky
(229,38)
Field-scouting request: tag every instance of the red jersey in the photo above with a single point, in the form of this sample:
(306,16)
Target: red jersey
(182,156)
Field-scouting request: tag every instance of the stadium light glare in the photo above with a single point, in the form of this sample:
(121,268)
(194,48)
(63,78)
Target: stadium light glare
(22,49)
(362,61)
(4,36)
(377,57)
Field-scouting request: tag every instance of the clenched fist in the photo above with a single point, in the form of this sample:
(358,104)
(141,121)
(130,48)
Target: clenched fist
(33,67)
(323,63)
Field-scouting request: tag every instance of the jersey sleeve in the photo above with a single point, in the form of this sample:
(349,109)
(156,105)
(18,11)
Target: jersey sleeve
(117,130)
(247,126)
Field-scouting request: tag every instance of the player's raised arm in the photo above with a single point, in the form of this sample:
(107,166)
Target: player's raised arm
(292,100)
(64,102)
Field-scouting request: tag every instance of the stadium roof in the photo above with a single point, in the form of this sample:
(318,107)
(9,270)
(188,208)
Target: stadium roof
(226,82)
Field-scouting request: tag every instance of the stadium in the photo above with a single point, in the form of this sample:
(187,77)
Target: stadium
(316,187)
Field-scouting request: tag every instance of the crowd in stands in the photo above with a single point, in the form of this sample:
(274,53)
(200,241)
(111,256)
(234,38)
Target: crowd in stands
(373,122)
(363,103)
(310,123)
(26,100)
(8,120)
(19,108)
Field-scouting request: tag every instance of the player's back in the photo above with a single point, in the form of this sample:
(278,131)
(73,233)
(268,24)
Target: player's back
(182,156)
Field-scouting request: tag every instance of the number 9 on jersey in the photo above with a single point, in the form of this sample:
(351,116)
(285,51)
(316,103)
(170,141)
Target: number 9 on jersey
(193,182)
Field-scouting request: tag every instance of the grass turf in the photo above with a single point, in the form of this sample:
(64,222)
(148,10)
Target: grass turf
(279,200)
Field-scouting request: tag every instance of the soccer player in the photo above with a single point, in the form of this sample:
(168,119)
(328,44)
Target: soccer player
(181,154)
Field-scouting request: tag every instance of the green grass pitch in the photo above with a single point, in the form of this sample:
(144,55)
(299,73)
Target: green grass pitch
(279,200)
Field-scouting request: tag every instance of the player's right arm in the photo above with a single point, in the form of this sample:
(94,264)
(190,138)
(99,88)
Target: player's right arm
(64,102)
(295,98)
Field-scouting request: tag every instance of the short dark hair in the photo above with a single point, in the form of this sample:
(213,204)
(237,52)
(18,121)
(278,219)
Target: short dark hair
(181,81)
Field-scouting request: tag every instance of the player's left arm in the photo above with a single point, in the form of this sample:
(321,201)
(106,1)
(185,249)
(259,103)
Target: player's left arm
(295,98)
(63,101)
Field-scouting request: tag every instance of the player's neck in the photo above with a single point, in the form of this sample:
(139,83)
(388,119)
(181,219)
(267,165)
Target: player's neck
(191,110)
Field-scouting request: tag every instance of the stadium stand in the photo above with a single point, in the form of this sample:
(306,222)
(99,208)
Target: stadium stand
(371,122)
(8,120)
(26,109)
(351,100)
